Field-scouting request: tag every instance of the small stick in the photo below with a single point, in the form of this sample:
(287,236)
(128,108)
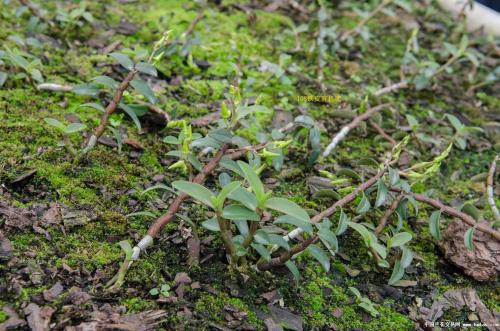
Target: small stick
(388,213)
(391,88)
(356,30)
(383,133)
(451,212)
(54,87)
(110,109)
(193,24)
(287,255)
(354,123)
(489,188)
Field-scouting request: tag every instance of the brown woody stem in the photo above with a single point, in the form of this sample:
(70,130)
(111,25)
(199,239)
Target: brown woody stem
(388,213)
(451,212)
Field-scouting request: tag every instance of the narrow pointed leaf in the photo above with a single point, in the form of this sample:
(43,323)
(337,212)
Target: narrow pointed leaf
(305,226)
(399,239)
(293,269)
(343,223)
(143,88)
(123,59)
(254,181)
(211,224)
(288,207)
(320,256)
(397,273)
(434,222)
(469,239)
(196,191)
(364,205)
(237,212)
(382,193)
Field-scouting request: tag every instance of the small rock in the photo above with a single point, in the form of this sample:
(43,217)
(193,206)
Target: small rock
(5,248)
(182,278)
(158,178)
(53,292)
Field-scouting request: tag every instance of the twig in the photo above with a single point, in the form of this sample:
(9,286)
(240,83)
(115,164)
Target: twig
(155,228)
(354,123)
(287,255)
(193,24)
(54,87)
(391,88)
(356,30)
(451,212)
(388,213)
(489,188)
(110,109)
(383,133)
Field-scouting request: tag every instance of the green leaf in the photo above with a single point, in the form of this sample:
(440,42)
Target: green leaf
(368,161)
(320,256)
(158,187)
(288,207)
(275,239)
(226,190)
(364,205)
(146,68)
(143,88)
(345,172)
(232,165)
(469,239)
(237,212)
(141,213)
(472,211)
(254,181)
(211,224)
(106,81)
(293,269)
(287,219)
(380,249)
(406,257)
(393,176)
(363,231)
(3,77)
(455,122)
(131,112)
(196,191)
(93,105)
(382,193)
(434,221)
(355,291)
(171,140)
(74,127)
(397,273)
(123,59)
(262,251)
(343,223)
(244,197)
(245,111)
(399,240)
(55,123)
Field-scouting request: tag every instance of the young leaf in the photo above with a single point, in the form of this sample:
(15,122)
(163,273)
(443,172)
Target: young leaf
(254,181)
(305,226)
(232,165)
(434,221)
(146,68)
(123,59)
(226,190)
(288,207)
(293,269)
(244,197)
(131,112)
(55,123)
(126,248)
(196,191)
(399,240)
(211,224)
(236,212)
(364,205)
(365,234)
(469,239)
(471,210)
(406,257)
(143,88)
(262,251)
(245,111)
(92,105)
(74,127)
(275,239)
(319,255)
(355,291)
(106,81)
(382,193)
(343,222)
(397,273)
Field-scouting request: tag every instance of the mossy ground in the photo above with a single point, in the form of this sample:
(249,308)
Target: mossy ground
(106,180)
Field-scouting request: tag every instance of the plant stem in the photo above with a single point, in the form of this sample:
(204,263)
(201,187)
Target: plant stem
(388,213)
(356,30)
(227,238)
(489,188)
(451,212)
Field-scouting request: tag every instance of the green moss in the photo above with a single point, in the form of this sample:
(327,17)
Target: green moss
(212,306)
(136,305)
